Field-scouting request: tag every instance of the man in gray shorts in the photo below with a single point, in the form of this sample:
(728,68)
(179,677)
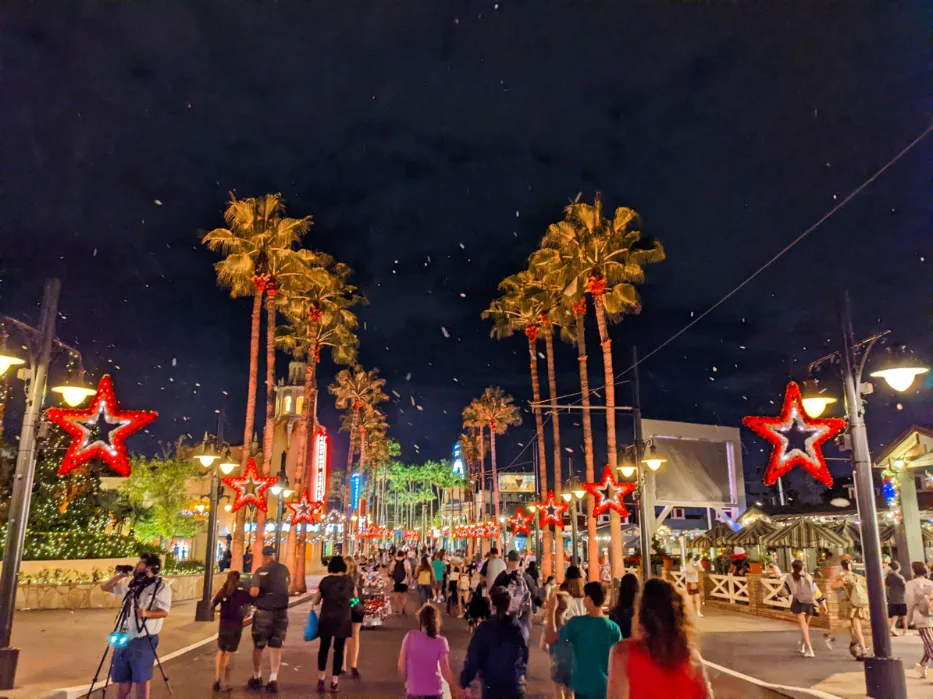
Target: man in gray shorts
(269,590)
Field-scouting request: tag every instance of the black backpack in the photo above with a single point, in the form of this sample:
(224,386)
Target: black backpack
(398,575)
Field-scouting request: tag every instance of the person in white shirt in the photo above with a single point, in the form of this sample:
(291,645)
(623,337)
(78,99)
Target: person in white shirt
(918,594)
(147,601)
(692,583)
(494,566)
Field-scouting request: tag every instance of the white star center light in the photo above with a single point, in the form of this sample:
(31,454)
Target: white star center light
(92,424)
(796,421)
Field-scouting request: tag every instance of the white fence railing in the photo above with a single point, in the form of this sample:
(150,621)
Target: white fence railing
(730,588)
(775,594)
(677,577)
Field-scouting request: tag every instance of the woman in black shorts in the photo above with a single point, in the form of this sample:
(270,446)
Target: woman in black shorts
(233,603)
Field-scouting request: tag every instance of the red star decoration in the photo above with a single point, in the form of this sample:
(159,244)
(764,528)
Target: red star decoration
(552,512)
(794,417)
(100,431)
(250,487)
(609,493)
(520,522)
(305,510)
(492,530)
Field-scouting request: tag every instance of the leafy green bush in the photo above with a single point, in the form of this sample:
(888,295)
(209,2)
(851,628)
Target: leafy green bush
(75,545)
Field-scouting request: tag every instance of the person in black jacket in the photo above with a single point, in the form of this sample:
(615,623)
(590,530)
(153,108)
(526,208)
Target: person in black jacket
(498,653)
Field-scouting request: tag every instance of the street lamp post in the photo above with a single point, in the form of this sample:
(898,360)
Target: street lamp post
(533,510)
(22,485)
(206,456)
(573,493)
(281,491)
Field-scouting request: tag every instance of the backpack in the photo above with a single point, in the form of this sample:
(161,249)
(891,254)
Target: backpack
(858,595)
(398,574)
(518,588)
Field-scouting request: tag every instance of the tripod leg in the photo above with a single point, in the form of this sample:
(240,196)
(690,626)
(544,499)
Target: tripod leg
(159,664)
(97,673)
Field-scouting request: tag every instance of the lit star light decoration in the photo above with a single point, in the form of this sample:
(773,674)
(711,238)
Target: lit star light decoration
(305,510)
(793,417)
(552,512)
(609,493)
(250,487)
(100,431)
(520,522)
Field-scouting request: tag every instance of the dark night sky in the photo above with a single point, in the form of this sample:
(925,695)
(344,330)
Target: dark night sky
(433,144)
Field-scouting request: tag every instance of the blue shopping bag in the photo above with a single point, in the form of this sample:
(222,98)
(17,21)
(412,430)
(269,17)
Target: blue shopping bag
(311,626)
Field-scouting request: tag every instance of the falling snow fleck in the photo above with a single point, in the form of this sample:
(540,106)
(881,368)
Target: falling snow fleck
(462,246)
(174,361)
(408,376)
(900,406)
(715,369)
(444,331)
(419,407)
(462,295)
(541,355)
(157,202)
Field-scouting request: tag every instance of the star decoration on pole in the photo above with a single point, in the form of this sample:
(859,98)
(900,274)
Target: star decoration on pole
(794,418)
(100,431)
(492,530)
(250,487)
(305,510)
(552,512)
(609,493)
(520,522)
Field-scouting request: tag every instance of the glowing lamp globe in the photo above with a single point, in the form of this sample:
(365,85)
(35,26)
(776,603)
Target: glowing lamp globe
(276,489)
(579,493)
(228,507)
(900,369)
(531,508)
(8,360)
(227,466)
(566,496)
(652,459)
(73,394)
(627,470)
(205,454)
(815,401)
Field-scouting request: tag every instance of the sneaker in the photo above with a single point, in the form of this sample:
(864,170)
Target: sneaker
(320,686)
(272,687)
(809,653)
(828,640)
(699,613)
(801,647)
(254,684)
(354,673)
(215,687)
(334,688)
(921,671)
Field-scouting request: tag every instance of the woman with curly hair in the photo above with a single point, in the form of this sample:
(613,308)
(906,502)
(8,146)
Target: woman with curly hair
(659,661)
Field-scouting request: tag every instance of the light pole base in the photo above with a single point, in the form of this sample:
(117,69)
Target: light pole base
(204,611)
(9,657)
(884,678)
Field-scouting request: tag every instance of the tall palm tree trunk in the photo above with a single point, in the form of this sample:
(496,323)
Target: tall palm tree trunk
(495,477)
(362,471)
(592,545)
(306,456)
(348,505)
(532,334)
(482,485)
(248,424)
(615,524)
(555,426)
(268,427)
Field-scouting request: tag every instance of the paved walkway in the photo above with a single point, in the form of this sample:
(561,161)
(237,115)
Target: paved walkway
(766,649)
(192,674)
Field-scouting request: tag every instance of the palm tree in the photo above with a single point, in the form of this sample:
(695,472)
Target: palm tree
(354,388)
(520,309)
(499,411)
(474,422)
(318,310)
(605,259)
(257,249)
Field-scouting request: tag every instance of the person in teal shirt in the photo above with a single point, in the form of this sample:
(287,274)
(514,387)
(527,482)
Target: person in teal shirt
(440,567)
(591,637)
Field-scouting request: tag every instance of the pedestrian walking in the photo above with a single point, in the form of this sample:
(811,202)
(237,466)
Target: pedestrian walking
(494,566)
(453,588)
(440,571)
(591,637)
(574,585)
(855,607)
(560,653)
(401,574)
(660,660)
(424,660)
(234,604)
(624,609)
(896,586)
(692,582)
(513,579)
(497,653)
(335,594)
(919,599)
(425,577)
(269,590)
(804,595)
(463,591)
(357,614)
(479,608)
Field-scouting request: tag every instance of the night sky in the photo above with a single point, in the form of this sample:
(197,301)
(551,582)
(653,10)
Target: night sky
(433,142)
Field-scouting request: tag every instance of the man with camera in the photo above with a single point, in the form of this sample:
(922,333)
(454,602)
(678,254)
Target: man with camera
(146,602)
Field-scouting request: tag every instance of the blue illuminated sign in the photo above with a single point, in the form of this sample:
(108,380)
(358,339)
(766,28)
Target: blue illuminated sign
(355,480)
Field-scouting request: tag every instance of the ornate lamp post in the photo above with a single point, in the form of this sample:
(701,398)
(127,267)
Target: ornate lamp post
(207,456)
(282,492)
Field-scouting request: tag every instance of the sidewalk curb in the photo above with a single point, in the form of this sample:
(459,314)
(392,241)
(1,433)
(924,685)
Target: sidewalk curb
(81,690)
